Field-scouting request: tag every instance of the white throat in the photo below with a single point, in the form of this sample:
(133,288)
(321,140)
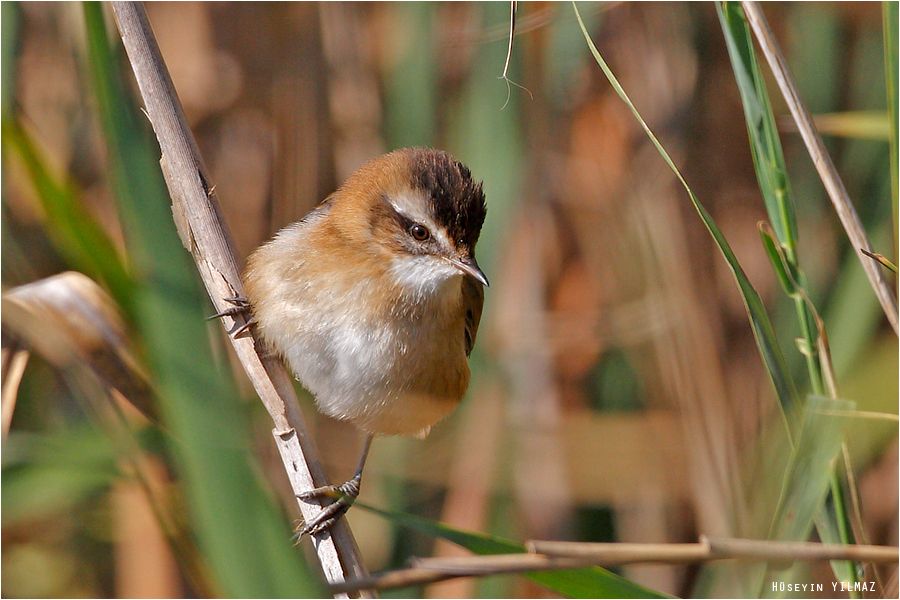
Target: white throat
(426,277)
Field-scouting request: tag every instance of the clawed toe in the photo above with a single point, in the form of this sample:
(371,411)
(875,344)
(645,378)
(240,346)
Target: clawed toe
(325,519)
(343,495)
(240,307)
(326,491)
(237,332)
(229,312)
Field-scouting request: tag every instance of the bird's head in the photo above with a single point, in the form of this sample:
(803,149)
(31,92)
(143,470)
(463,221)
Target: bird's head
(419,211)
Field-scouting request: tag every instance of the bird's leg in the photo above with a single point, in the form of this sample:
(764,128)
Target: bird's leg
(240,306)
(343,495)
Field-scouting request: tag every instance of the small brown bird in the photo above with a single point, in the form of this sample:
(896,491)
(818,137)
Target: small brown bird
(374,299)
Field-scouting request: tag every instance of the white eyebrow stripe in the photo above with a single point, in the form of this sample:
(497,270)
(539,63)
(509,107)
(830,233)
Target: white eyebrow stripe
(411,209)
(404,205)
(402,211)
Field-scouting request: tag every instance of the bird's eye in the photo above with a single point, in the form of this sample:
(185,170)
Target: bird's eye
(419,232)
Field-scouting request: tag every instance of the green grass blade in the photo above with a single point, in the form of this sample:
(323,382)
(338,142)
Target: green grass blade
(77,236)
(769,164)
(765,146)
(809,472)
(243,537)
(771,170)
(593,582)
(775,258)
(809,478)
(759,319)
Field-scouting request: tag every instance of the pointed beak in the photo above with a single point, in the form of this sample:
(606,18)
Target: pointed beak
(469,267)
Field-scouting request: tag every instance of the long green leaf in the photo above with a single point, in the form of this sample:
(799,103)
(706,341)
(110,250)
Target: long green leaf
(779,265)
(808,475)
(771,170)
(765,146)
(593,582)
(808,478)
(769,164)
(768,158)
(759,319)
(242,534)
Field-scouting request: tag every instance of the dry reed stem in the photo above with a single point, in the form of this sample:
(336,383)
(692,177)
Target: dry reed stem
(205,235)
(390,580)
(572,555)
(825,167)
(714,549)
(15,359)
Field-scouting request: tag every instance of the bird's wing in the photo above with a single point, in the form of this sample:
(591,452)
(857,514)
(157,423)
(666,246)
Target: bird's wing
(473,301)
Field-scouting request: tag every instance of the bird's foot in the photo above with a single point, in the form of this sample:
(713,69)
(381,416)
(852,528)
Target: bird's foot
(343,497)
(240,305)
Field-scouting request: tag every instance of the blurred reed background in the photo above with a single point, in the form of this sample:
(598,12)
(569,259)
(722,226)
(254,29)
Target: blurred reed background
(617,394)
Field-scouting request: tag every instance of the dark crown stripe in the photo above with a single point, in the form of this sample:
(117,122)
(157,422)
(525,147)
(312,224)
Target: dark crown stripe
(457,201)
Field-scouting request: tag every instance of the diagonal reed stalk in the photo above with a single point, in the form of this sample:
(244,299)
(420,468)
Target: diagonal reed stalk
(206,237)
(779,242)
(822,161)
(778,203)
(763,332)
